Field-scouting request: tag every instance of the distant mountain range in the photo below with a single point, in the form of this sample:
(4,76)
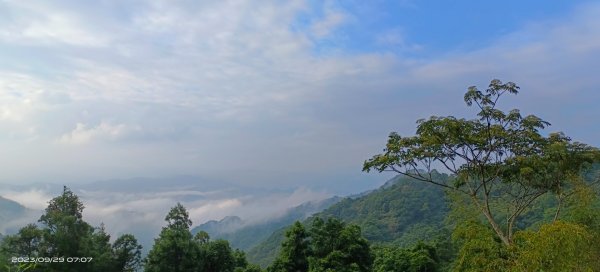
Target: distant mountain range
(244,235)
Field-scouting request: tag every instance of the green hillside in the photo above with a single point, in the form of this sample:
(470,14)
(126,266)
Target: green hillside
(403,211)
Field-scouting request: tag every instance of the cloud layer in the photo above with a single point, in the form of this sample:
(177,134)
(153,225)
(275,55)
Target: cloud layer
(142,212)
(273,94)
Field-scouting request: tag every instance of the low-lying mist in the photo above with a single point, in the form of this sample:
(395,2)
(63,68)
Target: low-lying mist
(139,206)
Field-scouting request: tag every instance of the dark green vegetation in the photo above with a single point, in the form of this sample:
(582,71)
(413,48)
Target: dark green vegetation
(402,212)
(328,246)
(514,199)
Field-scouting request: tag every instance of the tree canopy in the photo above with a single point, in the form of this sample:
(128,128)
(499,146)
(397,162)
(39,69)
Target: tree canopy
(329,245)
(501,160)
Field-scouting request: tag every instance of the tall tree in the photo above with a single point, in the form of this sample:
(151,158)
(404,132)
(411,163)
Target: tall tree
(336,246)
(294,253)
(328,246)
(127,253)
(174,250)
(65,233)
(218,257)
(100,248)
(500,160)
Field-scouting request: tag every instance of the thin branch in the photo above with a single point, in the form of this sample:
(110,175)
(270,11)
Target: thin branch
(421,178)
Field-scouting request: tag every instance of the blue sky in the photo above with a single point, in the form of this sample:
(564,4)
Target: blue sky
(271,93)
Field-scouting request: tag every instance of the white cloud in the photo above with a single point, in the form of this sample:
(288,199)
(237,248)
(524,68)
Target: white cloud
(549,56)
(35,199)
(325,26)
(39,23)
(142,212)
(17,93)
(215,209)
(396,39)
(105,131)
(59,28)
(229,84)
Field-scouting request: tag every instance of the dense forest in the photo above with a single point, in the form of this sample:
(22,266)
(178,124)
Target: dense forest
(492,193)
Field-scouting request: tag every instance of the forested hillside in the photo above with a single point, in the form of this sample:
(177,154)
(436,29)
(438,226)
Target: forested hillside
(402,212)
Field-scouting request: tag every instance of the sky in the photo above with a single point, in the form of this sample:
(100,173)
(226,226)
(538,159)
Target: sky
(277,94)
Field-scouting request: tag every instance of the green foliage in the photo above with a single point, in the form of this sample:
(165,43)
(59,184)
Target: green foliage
(419,258)
(499,159)
(249,268)
(174,250)
(392,212)
(239,258)
(178,218)
(66,234)
(583,207)
(336,246)
(572,244)
(202,237)
(540,244)
(127,253)
(475,246)
(559,246)
(265,253)
(479,248)
(103,254)
(219,257)
(26,242)
(294,253)
(328,246)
